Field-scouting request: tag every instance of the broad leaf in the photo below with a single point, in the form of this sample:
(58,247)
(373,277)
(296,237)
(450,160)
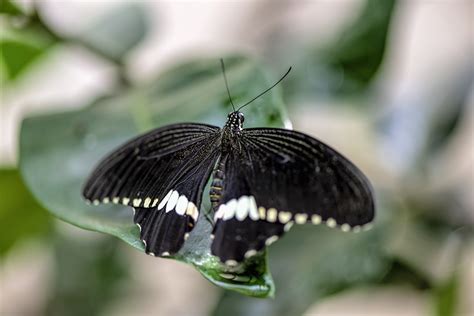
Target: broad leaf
(58,151)
(118,32)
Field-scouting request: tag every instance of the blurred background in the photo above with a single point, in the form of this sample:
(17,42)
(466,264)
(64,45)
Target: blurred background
(387,83)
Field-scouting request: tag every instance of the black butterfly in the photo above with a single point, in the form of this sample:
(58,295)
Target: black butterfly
(263,181)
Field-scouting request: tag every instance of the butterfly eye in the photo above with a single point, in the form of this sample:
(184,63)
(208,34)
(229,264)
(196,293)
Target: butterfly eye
(241,117)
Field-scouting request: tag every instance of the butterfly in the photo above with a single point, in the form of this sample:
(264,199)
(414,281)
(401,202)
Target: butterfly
(264,180)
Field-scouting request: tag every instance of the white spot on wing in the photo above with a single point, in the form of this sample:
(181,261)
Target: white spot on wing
(192,211)
(345,227)
(165,200)
(230,209)
(147,202)
(261,212)
(271,240)
(284,217)
(242,208)
(288,226)
(331,222)
(172,201)
(301,218)
(181,205)
(125,201)
(250,253)
(316,219)
(272,215)
(137,202)
(253,212)
(220,212)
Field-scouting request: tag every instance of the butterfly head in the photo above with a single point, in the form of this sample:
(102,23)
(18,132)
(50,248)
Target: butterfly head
(235,121)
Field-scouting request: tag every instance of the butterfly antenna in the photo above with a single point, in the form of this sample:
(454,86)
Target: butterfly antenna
(273,86)
(226,84)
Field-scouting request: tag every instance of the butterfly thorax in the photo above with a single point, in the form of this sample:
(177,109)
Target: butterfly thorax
(234,124)
(230,132)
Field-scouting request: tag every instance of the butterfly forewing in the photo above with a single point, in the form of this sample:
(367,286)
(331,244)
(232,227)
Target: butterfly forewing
(161,174)
(289,177)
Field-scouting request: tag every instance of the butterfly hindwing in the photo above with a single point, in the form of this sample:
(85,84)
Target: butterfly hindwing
(290,178)
(238,231)
(234,240)
(162,174)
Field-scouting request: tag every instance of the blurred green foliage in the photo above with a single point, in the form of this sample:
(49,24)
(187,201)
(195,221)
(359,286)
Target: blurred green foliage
(20,47)
(89,275)
(357,53)
(345,66)
(18,52)
(10,8)
(21,216)
(447,297)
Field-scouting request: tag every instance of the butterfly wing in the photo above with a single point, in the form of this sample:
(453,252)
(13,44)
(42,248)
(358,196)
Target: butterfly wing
(274,178)
(162,174)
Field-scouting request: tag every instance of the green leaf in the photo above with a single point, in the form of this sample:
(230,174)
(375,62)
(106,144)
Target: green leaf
(447,297)
(358,52)
(20,50)
(17,56)
(310,262)
(10,8)
(88,277)
(444,123)
(348,64)
(58,151)
(21,216)
(116,33)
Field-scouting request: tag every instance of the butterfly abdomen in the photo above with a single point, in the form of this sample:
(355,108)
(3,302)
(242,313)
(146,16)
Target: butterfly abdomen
(215,193)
